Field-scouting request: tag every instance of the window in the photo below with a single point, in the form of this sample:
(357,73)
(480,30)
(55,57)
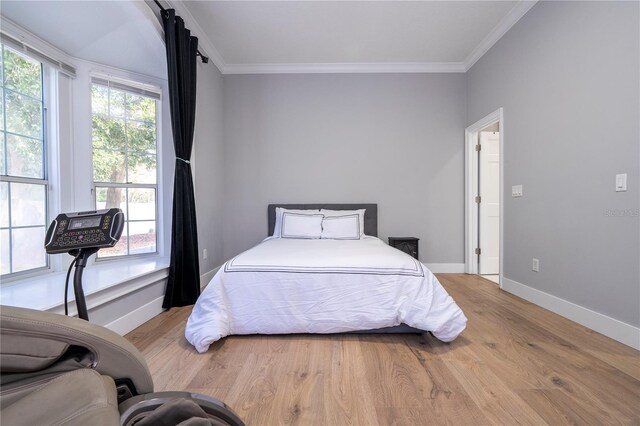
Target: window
(124,139)
(23,164)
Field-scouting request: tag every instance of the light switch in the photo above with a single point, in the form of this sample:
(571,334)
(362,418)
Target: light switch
(621,182)
(516,191)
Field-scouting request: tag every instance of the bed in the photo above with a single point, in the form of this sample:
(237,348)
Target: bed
(322,285)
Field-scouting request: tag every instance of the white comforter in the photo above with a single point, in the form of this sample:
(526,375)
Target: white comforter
(321,286)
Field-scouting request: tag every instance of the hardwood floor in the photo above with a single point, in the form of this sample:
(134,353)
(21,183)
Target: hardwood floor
(515,363)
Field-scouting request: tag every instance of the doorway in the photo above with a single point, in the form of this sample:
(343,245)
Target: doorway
(484,210)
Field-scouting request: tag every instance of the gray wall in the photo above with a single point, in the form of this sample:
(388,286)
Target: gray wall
(208,161)
(392,139)
(567,75)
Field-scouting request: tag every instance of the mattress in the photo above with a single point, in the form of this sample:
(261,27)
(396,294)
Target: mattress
(286,286)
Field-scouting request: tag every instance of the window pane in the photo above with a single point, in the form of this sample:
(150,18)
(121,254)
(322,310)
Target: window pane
(142,204)
(141,108)
(25,157)
(28,203)
(28,248)
(4,204)
(1,108)
(142,237)
(142,168)
(5,257)
(116,103)
(22,74)
(24,115)
(23,206)
(109,166)
(120,249)
(107,198)
(108,133)
(101,198)
(125,147)
(141,136)
(99,99)
(2,155)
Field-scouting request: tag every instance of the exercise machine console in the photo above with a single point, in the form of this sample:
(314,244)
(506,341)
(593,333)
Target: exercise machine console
(81,235)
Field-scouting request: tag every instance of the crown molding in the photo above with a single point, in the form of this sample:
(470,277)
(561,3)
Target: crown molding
(345,68)
(505,24)
(204,43)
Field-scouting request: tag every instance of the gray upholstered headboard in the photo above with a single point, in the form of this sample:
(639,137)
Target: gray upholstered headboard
(370,215)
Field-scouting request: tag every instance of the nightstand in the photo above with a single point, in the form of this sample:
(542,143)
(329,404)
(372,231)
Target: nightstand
(408,245)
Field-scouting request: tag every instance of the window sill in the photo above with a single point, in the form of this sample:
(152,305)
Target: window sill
(102,283)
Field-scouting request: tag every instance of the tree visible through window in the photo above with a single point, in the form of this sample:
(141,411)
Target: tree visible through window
(125,163)
(23,174)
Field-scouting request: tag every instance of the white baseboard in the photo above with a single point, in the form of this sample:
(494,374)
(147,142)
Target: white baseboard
(610,327)
(206,277)
(136,318)
(446,268)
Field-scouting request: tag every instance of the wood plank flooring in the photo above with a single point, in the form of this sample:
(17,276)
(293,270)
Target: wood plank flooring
(516,363)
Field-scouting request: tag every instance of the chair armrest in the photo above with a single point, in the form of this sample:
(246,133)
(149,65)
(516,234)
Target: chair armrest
(113,355)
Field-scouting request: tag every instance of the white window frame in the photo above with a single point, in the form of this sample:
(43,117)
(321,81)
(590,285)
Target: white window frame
(49,90)
(68,127)
(101,79)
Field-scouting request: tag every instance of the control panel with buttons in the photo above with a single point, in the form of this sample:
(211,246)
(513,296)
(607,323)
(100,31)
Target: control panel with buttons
(90,229)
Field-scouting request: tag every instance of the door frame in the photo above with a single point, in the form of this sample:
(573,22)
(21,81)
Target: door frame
(471,185)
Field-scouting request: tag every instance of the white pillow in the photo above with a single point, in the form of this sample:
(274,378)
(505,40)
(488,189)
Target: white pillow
(296,225)
(346,227)
(359,212)
(279,210)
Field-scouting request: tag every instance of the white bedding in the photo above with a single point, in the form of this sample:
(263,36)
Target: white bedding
(321,286)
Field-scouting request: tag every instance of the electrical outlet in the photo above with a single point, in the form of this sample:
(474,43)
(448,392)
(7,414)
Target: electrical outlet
(204,253)
(535,265)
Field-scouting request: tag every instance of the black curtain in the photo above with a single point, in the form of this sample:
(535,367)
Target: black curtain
(183,286)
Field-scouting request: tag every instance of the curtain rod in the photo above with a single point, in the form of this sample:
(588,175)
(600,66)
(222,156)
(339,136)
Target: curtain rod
(205,59)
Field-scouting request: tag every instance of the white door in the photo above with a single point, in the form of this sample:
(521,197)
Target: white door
(489,207)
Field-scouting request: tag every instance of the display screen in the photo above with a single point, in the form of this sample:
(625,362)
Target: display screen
(85,222)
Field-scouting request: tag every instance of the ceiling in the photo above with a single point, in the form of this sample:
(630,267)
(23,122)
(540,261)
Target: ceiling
(278,36)
(285,36)
(121,34)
